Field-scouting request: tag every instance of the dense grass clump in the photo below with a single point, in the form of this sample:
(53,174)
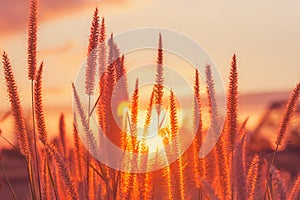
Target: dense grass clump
(230,171)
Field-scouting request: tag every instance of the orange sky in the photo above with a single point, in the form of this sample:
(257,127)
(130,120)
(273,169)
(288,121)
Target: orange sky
(263,34)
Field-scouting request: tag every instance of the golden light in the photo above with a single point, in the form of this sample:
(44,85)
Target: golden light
(158,133)
(122,108)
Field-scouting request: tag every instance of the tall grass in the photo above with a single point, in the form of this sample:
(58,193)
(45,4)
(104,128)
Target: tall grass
(229,171)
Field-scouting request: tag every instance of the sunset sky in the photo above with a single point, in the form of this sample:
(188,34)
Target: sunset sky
(263,34)
(103,137)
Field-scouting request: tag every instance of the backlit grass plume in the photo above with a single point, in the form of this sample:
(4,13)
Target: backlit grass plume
(231,170)
(32,39)
(109,84)
(16,107)
(279,187)
(174,135)
(134,115)
(78,152)
(232,101)
(102,49)
(198,164)
(173,115)
(32,63)
(63,171)
(222,158)
(212,101)
(232,120)
(168,183)
(113,52)
(159,77)
(290,108)
(45,181)
(102,58)
(239,178)
(89,136)
(39,113)
(92,55)
(148,115)
(122,88)
(253,177)
(282,131)
(62,133)
(295,191)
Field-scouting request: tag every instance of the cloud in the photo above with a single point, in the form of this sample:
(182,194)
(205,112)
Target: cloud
(14,13)
(60,49)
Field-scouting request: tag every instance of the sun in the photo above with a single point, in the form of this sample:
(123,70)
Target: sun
(154,138)
(158,134)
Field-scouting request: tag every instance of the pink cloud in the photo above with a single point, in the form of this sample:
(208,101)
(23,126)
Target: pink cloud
(14,13)
(57,49)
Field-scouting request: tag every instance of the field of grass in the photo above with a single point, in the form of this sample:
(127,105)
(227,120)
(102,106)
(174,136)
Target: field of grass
(53,169)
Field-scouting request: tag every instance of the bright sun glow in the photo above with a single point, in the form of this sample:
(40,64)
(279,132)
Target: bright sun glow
(154,139)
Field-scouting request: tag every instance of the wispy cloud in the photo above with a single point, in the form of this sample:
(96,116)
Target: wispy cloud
(57,49)
(14,13)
